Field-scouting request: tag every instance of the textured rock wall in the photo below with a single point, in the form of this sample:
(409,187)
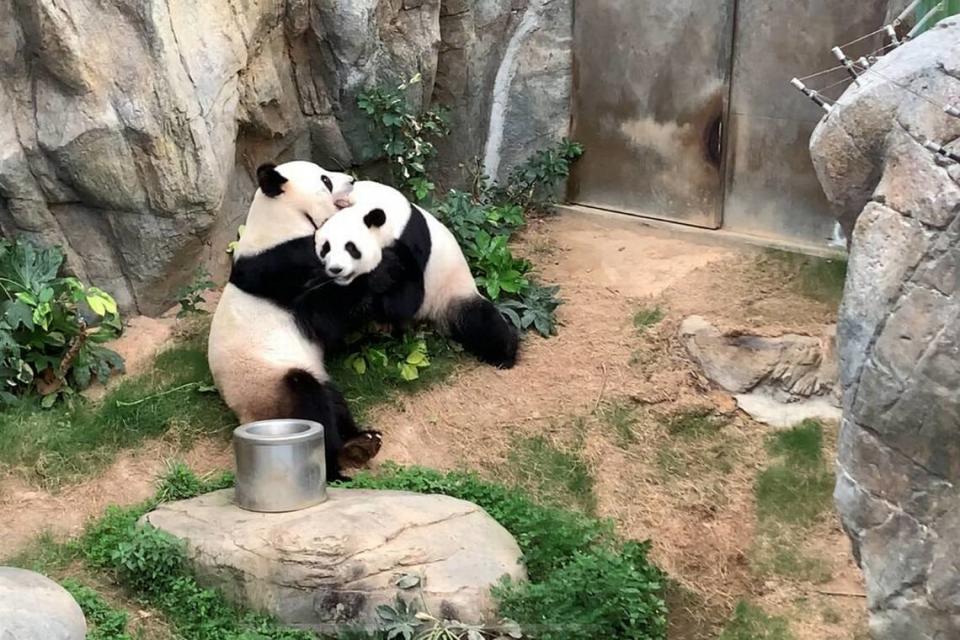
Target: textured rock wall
(899,333)
(132,127)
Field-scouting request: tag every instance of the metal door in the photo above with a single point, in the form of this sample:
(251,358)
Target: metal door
(650,87)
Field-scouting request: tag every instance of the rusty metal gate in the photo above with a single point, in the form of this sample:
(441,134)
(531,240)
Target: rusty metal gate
(685,109)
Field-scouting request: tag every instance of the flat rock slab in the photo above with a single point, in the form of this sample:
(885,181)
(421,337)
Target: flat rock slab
(34,607)
(335,563)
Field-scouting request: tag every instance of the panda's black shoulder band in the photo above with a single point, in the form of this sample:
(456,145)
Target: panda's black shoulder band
(270,180)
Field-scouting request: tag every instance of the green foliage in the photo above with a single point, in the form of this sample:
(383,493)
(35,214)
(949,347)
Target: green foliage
(552,475)
(75,438)
(532,184)
(381,375)
(645,318)
(406,136)
(45,343)
(179,482)
(585,583)
(103,621)
(402,359)
(752,623)
(403,621)
(190,296)
(796,489)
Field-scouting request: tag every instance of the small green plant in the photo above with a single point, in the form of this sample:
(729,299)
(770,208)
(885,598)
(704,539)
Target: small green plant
(179,482)
(535,310)
(532,185)
(406,137)
(405,358)
(46,345)
(233,244)
(190,296)
(643,319)
(104,622)
(752,623)
(796,489)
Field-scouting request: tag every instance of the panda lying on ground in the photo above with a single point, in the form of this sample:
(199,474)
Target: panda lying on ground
(265,352)
(415,269)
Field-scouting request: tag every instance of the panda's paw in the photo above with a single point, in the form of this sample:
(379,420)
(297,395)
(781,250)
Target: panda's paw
(361,449)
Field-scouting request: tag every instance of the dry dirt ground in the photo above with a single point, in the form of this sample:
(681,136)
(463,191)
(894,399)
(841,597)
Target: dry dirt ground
(693,498)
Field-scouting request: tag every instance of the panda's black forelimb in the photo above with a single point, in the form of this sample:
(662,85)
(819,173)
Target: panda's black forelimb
(483,331)
(322,402)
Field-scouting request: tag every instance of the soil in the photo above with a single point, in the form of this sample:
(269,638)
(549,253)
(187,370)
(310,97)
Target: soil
(693,497)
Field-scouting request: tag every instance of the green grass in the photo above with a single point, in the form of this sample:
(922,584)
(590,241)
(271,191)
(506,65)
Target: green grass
(551,475)
(752,623)
(820,279)
(64,443)
(797,488)
(777,552)
(620,416)
(104,622)
(645,318)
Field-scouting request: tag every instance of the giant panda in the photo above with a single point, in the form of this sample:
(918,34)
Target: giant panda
(429,278)
(265,359)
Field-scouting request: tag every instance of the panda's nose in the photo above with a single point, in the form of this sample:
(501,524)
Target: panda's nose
(335,271)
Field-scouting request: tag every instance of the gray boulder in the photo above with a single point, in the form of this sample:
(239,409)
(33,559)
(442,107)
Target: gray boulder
(335,563)
(779,380)
(133,127)
(34,607)
(899,332)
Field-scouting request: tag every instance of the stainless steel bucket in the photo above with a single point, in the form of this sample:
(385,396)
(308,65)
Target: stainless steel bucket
(280,465)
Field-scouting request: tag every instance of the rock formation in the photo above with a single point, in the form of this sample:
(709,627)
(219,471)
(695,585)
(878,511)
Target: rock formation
(335,563)
(34,607)
(899,332)
(132,127)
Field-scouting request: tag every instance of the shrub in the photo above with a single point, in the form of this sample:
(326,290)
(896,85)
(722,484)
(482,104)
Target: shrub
(104,622)
(45,342)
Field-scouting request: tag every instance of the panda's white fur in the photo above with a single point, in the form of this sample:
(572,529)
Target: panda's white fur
(262,361)
(450,298)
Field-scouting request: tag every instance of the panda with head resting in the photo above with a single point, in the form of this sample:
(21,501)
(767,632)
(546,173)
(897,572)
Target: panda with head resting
(420,269)
(265,358)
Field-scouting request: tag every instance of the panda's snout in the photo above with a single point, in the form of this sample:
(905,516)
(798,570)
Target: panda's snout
(334,271)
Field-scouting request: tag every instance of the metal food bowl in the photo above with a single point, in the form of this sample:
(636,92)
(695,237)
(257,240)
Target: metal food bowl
(280,465)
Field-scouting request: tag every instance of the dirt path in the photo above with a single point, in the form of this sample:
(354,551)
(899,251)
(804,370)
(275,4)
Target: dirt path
(692,498)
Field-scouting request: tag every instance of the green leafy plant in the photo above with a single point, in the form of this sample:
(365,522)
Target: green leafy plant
(46,345)
(104,622)
(532,185)
(404,358)
(536,309)
(190,296)
(406,136)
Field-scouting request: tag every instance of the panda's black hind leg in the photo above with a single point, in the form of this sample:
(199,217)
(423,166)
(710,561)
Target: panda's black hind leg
(322,402)
(483,331)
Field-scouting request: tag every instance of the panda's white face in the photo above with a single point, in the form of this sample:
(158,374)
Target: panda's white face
(348,245)
(313,190)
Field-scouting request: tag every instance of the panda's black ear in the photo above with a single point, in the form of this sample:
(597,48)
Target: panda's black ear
(270,180)
(376,218)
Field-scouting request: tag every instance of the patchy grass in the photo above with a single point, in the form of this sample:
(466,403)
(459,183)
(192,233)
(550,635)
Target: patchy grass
(694,423)
(64,443)
(797,488)
(621,417)
(820,279)
(552,475)
(752,623)
(831,615)
(777,551)
(645,318)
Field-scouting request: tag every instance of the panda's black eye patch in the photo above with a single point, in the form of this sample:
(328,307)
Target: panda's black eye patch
(328,183)
(325,249)
(353,251)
